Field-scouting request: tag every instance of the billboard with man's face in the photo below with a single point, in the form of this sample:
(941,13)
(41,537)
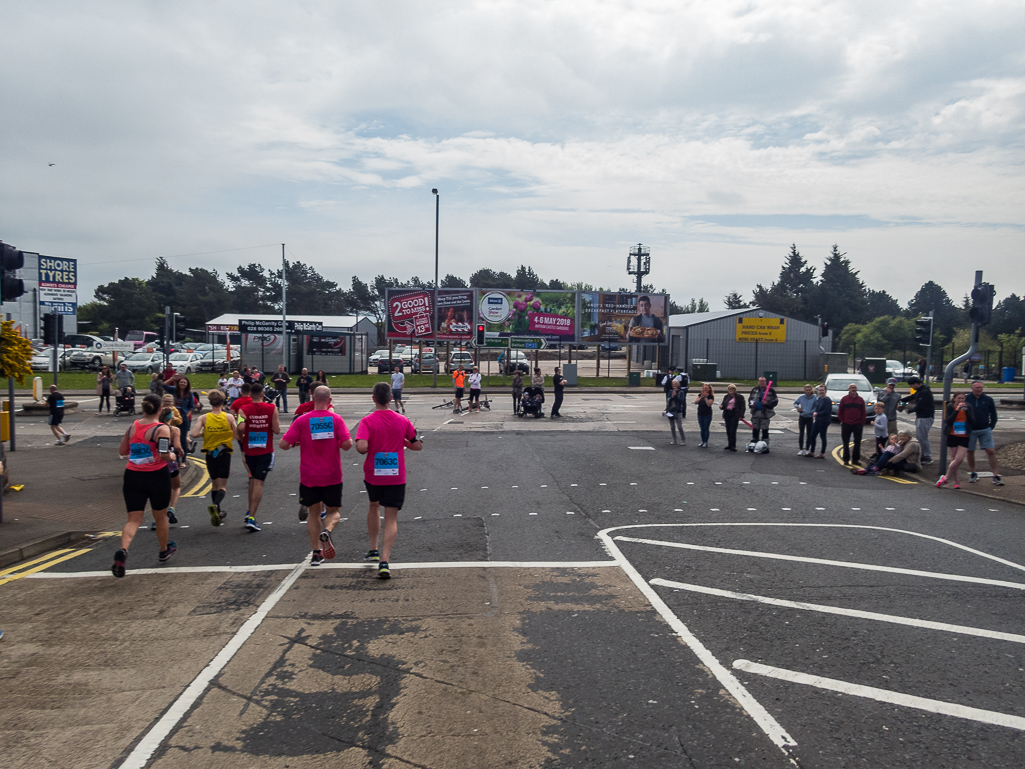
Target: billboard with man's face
(623,318)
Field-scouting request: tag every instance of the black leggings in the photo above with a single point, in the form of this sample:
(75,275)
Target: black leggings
(104,396)
(818,430)
(804,427)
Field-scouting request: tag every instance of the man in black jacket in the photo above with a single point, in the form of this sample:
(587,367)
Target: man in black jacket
(984,416)
(921,403)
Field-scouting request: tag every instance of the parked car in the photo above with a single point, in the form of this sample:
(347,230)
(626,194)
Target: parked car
(42,360)
(457,359)
(898,371)
(185,362)
(610,347)
(426,362)
(516,360)
(90,359)
(387,366)
(145,362)
(376,356)
(836,388)
(215,361)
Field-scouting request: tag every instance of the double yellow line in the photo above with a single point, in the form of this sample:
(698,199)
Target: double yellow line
(201,487)
(894,478)
(46,561)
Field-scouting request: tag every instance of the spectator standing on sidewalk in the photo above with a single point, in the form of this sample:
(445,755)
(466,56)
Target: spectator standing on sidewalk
(732,408)
(303,383)
(124,378)
(517,391)
(851,415)
(880,428)
(473,380)
(762,401)
(984,419)
(234,387)
(281,381)
(891,401)
(822,418)
(921,403)
(103,381)
(805,407)
(458,382)
(559,383)
(398,379)
(674,413)
(704,402)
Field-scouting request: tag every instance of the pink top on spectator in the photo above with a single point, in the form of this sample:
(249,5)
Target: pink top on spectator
(385,433)
(320,435)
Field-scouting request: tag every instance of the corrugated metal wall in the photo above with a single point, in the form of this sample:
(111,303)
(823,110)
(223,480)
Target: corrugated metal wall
(798,358)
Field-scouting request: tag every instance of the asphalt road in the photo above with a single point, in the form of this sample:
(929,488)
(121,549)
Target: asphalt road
(574,594)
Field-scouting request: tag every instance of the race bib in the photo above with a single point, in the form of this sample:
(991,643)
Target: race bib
(60,403)
(257,440)
(386,463)
(960,428)
(322,428)
(141,454)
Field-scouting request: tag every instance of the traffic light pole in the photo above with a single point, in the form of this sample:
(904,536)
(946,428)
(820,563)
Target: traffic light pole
(928,350)
(948,380)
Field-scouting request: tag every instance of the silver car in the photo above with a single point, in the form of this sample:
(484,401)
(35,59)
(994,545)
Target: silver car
(185,362)
(145,362)
(836,388)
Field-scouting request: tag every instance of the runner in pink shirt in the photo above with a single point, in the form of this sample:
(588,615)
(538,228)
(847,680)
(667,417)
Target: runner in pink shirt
(384,435)
(320,435)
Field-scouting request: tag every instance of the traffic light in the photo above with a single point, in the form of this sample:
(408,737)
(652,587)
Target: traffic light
(982,304)
(161,340)
(53,329)
(480,334)
(11,260)
(179,327)
(923,331)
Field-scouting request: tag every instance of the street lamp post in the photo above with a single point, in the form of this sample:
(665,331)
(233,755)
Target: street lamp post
(437,218)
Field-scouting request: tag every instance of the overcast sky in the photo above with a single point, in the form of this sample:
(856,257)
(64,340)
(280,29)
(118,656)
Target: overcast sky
(558,133)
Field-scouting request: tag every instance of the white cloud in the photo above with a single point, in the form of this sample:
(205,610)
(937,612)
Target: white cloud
(558,132)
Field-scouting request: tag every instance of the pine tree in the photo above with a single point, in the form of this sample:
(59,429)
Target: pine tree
(790,294)
(840,296)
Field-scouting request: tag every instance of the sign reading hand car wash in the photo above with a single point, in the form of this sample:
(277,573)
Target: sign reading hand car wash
(761,329)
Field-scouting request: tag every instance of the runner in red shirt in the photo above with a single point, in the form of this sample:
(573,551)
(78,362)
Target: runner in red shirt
(384,435)
(244,399)
(256,438)
(304,408)
(321,436)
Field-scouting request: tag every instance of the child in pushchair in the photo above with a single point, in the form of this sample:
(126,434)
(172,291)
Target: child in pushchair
(124,401)
(532,402)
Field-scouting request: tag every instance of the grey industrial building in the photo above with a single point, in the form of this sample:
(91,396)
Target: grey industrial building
(697,340)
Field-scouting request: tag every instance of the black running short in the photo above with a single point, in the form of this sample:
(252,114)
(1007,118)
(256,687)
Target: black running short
(474,396)
(390,495)
(331,496)
(954,441)
(459,392)
(142,487)
(219,466)
(259,465)
(56,419)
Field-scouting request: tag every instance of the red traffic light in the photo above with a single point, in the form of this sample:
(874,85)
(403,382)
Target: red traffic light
(480,334)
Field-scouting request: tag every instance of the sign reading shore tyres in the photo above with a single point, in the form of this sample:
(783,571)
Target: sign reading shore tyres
(58,285)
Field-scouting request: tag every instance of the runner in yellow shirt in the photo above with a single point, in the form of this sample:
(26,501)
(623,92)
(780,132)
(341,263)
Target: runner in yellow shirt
(218,430)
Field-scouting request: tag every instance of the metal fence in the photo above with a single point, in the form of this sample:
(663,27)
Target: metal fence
(987,364)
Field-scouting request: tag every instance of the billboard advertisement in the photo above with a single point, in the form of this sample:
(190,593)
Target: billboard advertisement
(623,318)
(455,314)
(58,285)
(410,313)
(325,345)
(761,329)
(549,315)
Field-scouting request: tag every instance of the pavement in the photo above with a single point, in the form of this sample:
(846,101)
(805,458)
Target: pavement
(39,517)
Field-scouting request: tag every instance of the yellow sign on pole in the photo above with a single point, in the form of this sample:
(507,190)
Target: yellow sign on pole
(761,329)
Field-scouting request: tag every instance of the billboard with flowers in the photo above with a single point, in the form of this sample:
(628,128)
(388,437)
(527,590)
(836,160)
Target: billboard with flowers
(550,315)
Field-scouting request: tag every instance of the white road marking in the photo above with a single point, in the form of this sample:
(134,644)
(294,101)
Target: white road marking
(883,695)
(773,730)
(148,745)
(859,614)
(641,448)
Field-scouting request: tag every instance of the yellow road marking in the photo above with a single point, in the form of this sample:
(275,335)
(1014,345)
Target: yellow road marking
(894,478)
(43,566)
(200,487)
(46,557)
